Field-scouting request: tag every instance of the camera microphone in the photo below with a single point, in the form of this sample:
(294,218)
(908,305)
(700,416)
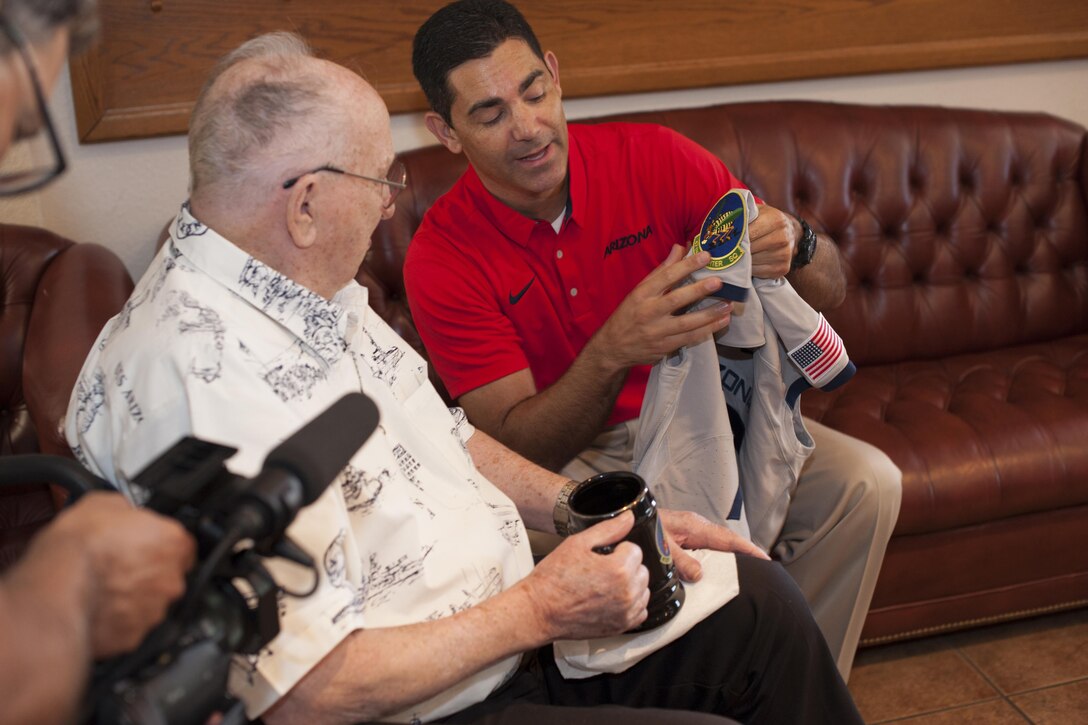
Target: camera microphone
(178,674)
(299,470)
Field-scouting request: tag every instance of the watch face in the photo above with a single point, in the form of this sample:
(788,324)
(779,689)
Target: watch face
(806,246)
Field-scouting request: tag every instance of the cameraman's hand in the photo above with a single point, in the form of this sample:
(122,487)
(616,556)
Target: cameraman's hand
(137,562)
(644,328)
(578,593)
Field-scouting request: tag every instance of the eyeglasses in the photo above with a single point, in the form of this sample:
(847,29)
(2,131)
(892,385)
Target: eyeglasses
(18,182)
(396,179)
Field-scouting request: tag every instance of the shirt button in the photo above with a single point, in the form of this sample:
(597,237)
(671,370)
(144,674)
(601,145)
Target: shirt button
(573,291)
(559,254)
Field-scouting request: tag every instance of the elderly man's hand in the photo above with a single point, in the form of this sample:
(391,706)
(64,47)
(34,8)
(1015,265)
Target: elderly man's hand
(137,562)
(773,236)
(689,530)
(578,593)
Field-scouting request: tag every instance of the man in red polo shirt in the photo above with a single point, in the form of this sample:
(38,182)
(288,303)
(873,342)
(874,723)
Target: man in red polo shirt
(544,285)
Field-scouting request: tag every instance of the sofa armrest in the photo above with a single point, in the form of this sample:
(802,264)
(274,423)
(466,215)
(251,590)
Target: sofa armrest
(79,292)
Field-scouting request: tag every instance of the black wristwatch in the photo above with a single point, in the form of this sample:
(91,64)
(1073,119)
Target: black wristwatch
(806,247)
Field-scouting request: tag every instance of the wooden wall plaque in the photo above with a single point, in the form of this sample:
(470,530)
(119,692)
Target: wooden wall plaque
(142,78)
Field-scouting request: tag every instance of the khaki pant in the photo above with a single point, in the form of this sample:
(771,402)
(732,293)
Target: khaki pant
(839,522)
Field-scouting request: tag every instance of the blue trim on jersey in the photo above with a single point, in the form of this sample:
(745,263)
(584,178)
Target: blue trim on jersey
(738,505)
(800,385)
(841,379)
(731,292)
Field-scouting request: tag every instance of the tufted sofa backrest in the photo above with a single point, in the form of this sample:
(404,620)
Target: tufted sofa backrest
(962,230)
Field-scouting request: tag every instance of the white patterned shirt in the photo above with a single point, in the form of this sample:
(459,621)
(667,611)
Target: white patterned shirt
(217,345)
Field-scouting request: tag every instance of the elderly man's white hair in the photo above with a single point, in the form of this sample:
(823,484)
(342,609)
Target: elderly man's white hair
(273,106)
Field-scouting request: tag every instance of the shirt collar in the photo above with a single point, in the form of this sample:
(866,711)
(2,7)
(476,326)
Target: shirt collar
(515,225)
(320,324)
(579,185)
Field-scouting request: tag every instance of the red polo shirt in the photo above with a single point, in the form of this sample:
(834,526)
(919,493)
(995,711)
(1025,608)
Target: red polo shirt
(493,292)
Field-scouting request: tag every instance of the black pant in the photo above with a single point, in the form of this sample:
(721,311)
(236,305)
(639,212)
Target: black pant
(758,659)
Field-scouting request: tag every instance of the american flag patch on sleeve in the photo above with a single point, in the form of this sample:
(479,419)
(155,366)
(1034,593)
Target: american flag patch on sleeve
(822,356)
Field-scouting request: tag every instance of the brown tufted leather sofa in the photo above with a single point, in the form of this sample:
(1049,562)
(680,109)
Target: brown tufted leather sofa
(55,296)
(965,235)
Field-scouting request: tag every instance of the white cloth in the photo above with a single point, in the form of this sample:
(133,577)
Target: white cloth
(578,659)
(215,344)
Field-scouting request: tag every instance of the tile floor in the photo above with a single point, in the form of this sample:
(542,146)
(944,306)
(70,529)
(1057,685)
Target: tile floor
(1031,671)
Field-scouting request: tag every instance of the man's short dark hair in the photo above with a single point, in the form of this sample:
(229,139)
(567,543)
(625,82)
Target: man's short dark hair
(460,32)
(37,20)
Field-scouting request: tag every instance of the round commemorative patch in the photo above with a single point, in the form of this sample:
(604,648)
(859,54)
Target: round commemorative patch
(722,231)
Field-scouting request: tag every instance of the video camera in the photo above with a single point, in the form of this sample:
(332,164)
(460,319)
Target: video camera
(178,674)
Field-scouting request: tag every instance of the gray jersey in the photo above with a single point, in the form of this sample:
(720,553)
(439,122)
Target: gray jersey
(736,457)
(773,441)
(685,448)
(720,434)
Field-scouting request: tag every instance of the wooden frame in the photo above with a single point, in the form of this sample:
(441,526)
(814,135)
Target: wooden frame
(144,76)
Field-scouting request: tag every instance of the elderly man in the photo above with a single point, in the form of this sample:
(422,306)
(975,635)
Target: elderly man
(249,322)
(102,574)
(544,329)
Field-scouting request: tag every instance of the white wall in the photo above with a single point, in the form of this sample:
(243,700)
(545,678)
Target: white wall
(25,208)
(121,194)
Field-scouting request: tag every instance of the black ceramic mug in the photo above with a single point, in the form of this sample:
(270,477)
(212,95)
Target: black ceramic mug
(608,495)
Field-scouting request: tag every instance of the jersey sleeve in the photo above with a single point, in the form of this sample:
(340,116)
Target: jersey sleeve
(469,340)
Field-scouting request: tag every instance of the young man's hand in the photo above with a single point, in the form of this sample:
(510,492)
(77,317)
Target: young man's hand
(646,326)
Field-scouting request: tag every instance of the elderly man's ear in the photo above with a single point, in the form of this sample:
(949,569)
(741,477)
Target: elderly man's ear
(302,212)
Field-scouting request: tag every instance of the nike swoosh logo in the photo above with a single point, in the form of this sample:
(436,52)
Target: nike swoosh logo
(514,298)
